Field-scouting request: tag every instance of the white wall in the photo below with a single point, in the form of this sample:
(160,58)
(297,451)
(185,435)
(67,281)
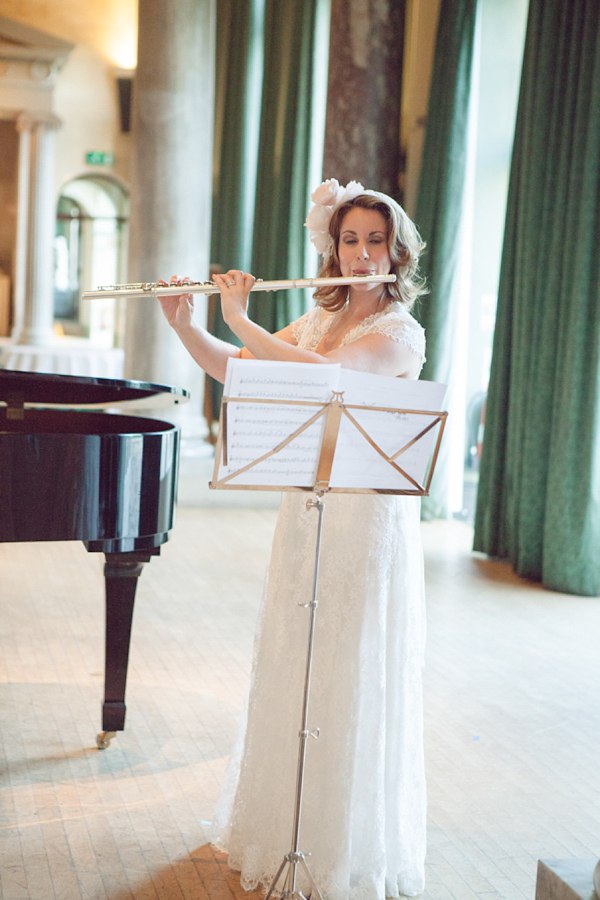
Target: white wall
(86,101)
(104,34)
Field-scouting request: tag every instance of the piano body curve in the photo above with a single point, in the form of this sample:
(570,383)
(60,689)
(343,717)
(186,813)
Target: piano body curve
(74,465)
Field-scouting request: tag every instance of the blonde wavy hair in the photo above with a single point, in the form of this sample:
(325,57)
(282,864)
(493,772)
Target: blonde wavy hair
(404,243)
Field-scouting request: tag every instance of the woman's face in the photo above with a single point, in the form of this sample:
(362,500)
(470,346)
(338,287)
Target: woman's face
(363,244)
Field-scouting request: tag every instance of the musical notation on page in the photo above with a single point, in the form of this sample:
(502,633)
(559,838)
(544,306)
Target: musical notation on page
(275,435)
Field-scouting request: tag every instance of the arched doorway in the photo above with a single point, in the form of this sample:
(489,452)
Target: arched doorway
(90,250)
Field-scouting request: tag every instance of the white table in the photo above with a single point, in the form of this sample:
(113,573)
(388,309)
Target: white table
(65,356)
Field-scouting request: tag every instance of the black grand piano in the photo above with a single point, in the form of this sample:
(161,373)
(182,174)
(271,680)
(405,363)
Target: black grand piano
(72,469)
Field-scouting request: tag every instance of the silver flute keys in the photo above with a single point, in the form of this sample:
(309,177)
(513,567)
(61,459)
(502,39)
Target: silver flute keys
(153,289)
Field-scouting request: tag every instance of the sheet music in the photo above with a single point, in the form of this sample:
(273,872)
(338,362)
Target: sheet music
(283,380)
(356,462)
(257,429)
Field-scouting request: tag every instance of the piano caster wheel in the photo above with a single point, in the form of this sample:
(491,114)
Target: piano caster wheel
(104,738)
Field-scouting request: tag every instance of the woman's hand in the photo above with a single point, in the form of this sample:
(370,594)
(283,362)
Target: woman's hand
(178,308)
(234,288)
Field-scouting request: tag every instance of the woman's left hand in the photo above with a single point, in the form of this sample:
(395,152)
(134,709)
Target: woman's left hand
(234,287)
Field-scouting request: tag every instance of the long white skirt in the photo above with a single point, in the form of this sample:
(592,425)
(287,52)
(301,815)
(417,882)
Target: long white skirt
(364,809)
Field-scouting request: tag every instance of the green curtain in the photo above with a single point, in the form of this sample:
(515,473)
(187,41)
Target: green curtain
(285,155)
(439,206)
(240,25)
(538,502)
(265,139)
(238,90)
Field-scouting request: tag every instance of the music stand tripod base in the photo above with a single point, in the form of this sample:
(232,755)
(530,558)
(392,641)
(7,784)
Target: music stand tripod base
(295,858)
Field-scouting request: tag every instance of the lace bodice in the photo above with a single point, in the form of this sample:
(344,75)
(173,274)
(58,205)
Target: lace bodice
(394,322)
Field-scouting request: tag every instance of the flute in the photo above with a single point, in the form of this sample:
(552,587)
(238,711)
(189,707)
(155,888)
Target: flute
(152,289)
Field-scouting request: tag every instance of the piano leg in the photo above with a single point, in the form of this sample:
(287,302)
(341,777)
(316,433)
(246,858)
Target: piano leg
(121,572)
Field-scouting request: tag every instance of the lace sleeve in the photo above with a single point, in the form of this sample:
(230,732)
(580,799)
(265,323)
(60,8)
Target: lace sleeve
(402,328)
(409,333)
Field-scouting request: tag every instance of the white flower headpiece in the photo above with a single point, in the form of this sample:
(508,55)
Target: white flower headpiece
(326,198)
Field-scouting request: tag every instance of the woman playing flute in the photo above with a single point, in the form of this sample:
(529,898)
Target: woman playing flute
(363,814)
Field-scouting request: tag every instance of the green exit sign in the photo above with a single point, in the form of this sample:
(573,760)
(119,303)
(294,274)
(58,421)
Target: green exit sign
(99,159)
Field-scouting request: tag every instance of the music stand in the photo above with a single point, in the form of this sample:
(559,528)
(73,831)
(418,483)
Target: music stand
(332,424)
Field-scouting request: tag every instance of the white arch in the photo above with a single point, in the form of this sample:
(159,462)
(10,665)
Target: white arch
(94,252)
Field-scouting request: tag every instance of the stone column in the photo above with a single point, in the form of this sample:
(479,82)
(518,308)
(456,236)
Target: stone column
(173,103)
(36,216)
(362,130)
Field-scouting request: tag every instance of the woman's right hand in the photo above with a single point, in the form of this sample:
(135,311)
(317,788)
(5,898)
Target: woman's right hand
(178,308)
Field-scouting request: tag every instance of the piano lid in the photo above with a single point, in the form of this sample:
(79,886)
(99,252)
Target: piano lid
(72,391)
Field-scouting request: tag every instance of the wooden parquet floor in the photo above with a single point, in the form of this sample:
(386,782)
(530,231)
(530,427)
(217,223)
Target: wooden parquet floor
(511,706)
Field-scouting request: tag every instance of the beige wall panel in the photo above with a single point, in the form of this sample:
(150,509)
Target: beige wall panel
(107,26)
(421,29)
(9,148)
(86,102)
(85,94)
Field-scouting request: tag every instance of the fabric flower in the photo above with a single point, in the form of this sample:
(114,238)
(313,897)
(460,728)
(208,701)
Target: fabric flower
(326,198)
(318,218)
(322,242)
(326,193)
(352,190)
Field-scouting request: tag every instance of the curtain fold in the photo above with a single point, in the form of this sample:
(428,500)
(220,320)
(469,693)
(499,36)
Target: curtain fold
(266,132)
(240,51)
(238,92)
(284,162)
(538,502)
(239,64)
(439,207)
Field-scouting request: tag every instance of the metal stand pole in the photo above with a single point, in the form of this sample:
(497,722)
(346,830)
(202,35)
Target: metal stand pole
(295,857)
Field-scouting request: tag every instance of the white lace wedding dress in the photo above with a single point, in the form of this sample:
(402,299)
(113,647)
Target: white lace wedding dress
(363,811)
